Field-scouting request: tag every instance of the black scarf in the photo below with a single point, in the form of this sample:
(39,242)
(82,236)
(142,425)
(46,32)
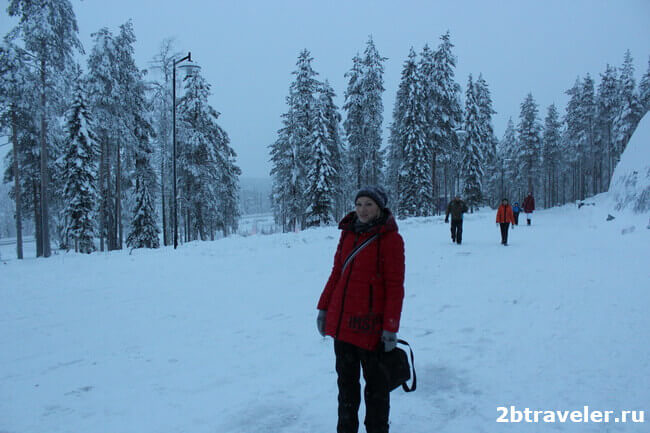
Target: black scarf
(360,227)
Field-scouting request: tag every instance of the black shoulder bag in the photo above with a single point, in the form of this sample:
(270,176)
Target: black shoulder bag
(396,369)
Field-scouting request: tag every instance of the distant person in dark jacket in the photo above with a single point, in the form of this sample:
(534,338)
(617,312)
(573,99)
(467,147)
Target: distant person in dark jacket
(504,219)
(456,208)
(529,207)
(516,210)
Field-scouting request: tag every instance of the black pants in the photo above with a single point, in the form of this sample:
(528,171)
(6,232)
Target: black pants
(456,230)
(504,232)
(516,215)
(349,360)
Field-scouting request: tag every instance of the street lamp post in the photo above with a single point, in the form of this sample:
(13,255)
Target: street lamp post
(189,68)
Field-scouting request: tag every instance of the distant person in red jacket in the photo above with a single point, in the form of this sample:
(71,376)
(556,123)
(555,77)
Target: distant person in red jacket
(504,219)
(529,207)
(361,306)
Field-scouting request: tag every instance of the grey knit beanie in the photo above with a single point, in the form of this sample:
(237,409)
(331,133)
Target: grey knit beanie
(376,193)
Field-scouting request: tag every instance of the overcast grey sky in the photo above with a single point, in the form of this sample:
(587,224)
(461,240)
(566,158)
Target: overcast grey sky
(247,49)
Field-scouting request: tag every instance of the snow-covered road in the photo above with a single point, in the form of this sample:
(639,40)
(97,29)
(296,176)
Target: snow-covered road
(220,336)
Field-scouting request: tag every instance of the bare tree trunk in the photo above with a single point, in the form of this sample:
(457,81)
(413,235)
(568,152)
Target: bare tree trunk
(17,192)
(102,192)
(37,220)
(162,195)
(45,220)
(118,199)
(433,184)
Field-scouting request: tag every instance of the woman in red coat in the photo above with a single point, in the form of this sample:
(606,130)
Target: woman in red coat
(361,306)
(504,219)
(529,207)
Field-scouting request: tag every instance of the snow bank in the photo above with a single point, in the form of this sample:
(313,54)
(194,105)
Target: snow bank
(630,186)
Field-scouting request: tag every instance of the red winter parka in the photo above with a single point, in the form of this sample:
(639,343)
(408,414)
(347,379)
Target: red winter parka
(367,297)
(529,204)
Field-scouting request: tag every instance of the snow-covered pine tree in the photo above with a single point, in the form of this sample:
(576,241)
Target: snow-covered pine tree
(161,99)
(591,153)
(321,175)
(134,108)
(335,147)
(105,111)
(290,153)
(448,111)
(630,108)
(508,172)
(225,213)
(197,161)
(144,228)
(372,88)
(551,154)
(528,152)
(395,142)
(49,32)
(644,91)
(16,119)
(607,107)
(283,156)
(488,140)
(79,175)
(572,139)
(354,122)
(472,162)
(426,76)
(414,195)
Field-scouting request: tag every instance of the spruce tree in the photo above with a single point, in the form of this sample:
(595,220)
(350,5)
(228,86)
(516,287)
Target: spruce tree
(290,153)
(354,121)
(79,173)
(144,229)
(607,108)
(472,162)
(321,175)
(644,91)
(49,32)
(372,87)
(529,141)
(573,139)
(509,175)
(448,110)
(588,135)
(414,197)
(335,147)
(551,154)
(488,139)
(630,109)
(199,163)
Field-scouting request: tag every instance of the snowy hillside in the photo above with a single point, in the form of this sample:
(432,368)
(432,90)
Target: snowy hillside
(630,186)
(220,337)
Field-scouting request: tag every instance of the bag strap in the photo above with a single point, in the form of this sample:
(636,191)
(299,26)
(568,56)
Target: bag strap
(357,250)
(415,380)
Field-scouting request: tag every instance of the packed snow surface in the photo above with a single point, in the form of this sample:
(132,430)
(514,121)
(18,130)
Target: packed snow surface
(221,336)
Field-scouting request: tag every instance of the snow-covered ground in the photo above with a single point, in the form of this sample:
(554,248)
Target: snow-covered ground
(220,336)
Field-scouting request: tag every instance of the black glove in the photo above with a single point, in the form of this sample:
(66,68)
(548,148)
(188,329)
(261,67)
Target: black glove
(320,321)
(389,339)
(446,220)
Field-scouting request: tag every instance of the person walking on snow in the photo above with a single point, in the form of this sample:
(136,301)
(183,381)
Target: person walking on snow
(456,208)
(516,210)
(504,219)
(360,307)
(529,207)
